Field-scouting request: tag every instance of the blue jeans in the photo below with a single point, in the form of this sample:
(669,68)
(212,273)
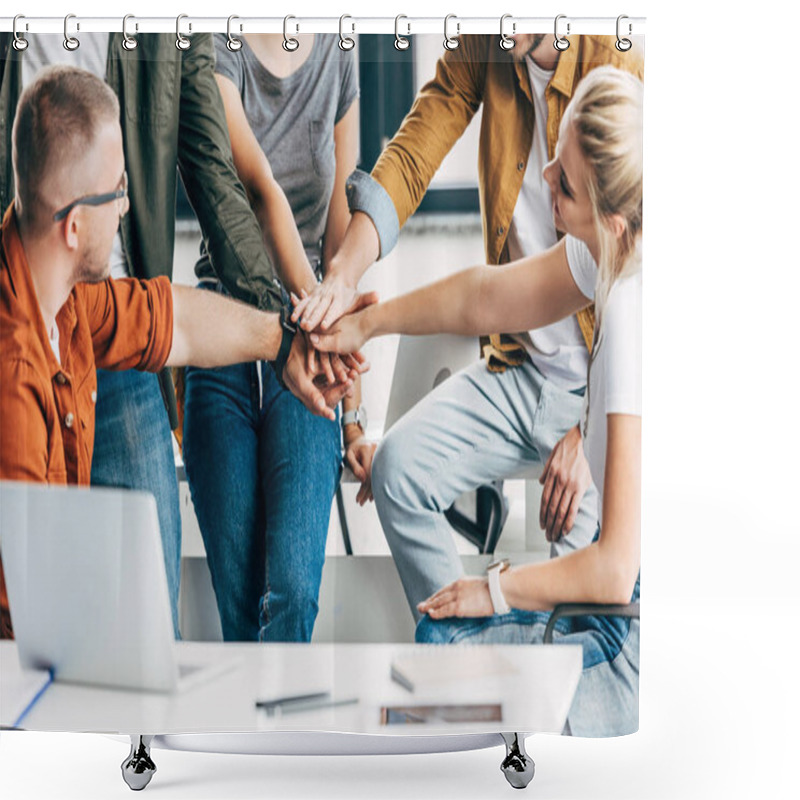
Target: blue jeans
(606,702)
(262,476)
(133,450)
(475,427)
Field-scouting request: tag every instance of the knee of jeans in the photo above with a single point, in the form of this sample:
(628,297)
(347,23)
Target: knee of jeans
(432,631)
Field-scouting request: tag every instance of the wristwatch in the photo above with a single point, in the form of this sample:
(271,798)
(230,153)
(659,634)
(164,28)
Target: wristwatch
(289,329)
(493,572)
(355,416)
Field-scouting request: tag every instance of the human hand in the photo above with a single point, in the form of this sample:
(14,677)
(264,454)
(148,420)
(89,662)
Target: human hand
(566,477)
(359,454)
(327,302)
(310,384)
(467,597)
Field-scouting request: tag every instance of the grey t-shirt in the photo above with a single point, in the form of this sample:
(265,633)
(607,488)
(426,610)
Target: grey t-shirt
(293,120)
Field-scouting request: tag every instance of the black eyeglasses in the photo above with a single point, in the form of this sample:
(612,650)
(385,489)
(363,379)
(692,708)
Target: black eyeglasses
(96,199)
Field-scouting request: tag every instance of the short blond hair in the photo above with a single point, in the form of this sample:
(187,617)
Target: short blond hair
(57,119)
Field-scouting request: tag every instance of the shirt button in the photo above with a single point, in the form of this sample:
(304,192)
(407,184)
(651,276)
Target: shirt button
(94,397)
(61,378)
(501,230)
(521,166)
(69,419)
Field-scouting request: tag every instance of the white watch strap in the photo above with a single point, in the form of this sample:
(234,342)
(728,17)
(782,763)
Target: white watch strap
(495,592)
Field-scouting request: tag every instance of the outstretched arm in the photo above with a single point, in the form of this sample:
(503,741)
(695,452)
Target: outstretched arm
(519,296)
(603,572)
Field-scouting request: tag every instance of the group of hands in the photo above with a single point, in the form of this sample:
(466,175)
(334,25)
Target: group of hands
(321,374)
(322,366)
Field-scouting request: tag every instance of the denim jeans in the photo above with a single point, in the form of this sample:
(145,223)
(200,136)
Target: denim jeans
(606,702)
(262,477)
(475,427)
(133,450)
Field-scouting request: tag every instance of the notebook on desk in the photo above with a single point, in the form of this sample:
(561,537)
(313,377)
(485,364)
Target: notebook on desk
(87,588)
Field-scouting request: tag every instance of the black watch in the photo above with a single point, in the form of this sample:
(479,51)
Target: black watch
(288,329)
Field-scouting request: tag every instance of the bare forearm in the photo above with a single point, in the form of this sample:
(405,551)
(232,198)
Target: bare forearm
(360,249)
(590,575)
(283,242)
(210,330)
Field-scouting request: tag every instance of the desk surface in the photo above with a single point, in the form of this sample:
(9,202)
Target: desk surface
(535,693)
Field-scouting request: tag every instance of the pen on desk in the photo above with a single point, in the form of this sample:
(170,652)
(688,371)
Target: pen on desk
(279,702)
(316,705)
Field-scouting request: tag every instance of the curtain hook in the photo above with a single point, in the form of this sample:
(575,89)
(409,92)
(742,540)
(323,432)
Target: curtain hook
(400,42)
(128,42)
(181,42)
(233,44)
(70,42)
(20,42)
(559,42)
(506,42)
(451,42)
(346,42)
(623,45)
(290,44)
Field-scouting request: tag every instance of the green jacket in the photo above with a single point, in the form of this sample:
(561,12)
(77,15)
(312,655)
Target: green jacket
(172,117)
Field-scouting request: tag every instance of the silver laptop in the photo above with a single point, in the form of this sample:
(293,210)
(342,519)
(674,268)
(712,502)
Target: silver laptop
(87,588)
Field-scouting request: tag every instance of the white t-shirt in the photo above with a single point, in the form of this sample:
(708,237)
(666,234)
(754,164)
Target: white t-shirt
(615,377)
(46,49)
(558,351)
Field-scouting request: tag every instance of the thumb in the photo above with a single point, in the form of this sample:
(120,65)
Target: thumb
(362,301)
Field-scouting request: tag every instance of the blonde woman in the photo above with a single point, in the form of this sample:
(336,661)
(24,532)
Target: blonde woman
(596,186)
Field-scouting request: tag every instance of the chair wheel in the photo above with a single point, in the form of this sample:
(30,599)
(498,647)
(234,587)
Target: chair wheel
(138,768)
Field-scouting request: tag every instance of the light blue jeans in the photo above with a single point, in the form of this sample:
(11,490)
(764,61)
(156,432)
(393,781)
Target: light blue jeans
(262,476)
(133,450)
(475,427)
(606,702)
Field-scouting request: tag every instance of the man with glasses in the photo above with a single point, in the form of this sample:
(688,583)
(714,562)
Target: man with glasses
(60,317)
(173,121)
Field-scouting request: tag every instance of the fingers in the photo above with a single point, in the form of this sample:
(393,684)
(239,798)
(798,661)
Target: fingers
(341,372)
(327,367)
(355,465)
(547,492)
(567,501)
(318,305)
(300,304)
(309,395)
(362,301)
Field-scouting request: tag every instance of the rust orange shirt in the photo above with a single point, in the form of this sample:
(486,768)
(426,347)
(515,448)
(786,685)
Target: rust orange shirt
(46,408)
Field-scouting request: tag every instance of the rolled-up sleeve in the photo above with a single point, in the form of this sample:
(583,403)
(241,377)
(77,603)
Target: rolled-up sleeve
(365,194)
(130,322)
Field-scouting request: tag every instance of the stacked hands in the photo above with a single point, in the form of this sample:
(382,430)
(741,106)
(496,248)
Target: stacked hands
(338,322)
(321,378)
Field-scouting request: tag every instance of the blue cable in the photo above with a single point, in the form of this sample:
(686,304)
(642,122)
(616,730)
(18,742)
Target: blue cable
(35,700)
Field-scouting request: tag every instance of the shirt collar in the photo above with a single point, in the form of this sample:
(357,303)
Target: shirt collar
(563,79)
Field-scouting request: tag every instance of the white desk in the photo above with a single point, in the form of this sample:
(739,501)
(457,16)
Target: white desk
(535,697)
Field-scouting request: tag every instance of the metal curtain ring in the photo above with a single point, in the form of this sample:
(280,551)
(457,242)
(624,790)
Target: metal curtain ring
(181,42)
(623,45)
(451,42)
(400,42)
(346,42)
(19,42)
(289,44)
(233,44)
(70,42)
(506,42)
(128,42)
(559,42)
